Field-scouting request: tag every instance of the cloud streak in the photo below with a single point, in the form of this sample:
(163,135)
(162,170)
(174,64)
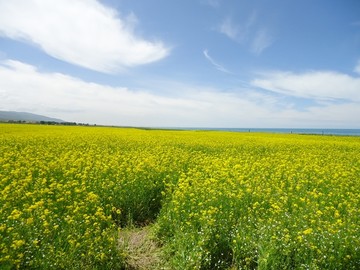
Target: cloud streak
(83,33)
(214,63)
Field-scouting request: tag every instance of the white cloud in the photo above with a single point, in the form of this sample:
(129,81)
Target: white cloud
(214,63)
(24,88)
(329,116)
(322,85)
(84,33)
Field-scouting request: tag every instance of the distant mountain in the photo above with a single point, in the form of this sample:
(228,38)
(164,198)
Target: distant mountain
(24,116)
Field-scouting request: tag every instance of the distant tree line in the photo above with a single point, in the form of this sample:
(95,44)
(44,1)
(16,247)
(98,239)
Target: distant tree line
(62,123)
(45,123)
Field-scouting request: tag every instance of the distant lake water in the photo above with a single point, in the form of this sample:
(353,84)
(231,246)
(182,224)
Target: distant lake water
(343,132)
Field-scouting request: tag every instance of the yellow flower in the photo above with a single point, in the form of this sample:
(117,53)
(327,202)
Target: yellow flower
(15,214)
(30,221)
(17,244)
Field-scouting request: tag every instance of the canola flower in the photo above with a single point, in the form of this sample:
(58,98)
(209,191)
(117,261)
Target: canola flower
(218,199)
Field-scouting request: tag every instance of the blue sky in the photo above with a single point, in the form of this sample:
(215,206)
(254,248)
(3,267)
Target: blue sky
(188,63)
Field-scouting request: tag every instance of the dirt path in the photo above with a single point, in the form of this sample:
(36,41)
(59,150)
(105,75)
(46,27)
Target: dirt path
(141,249)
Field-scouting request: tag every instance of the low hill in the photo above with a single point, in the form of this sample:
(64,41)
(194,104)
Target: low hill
(25,116)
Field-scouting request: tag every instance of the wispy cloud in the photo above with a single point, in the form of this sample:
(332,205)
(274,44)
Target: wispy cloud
(212,3)
(320,85)
(239,32)
(84,33)
(249,33)
(261,41)
(228,28)
(24,88)
(214,63)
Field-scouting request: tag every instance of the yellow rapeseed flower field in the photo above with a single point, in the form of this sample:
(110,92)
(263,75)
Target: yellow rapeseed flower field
(217,200)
